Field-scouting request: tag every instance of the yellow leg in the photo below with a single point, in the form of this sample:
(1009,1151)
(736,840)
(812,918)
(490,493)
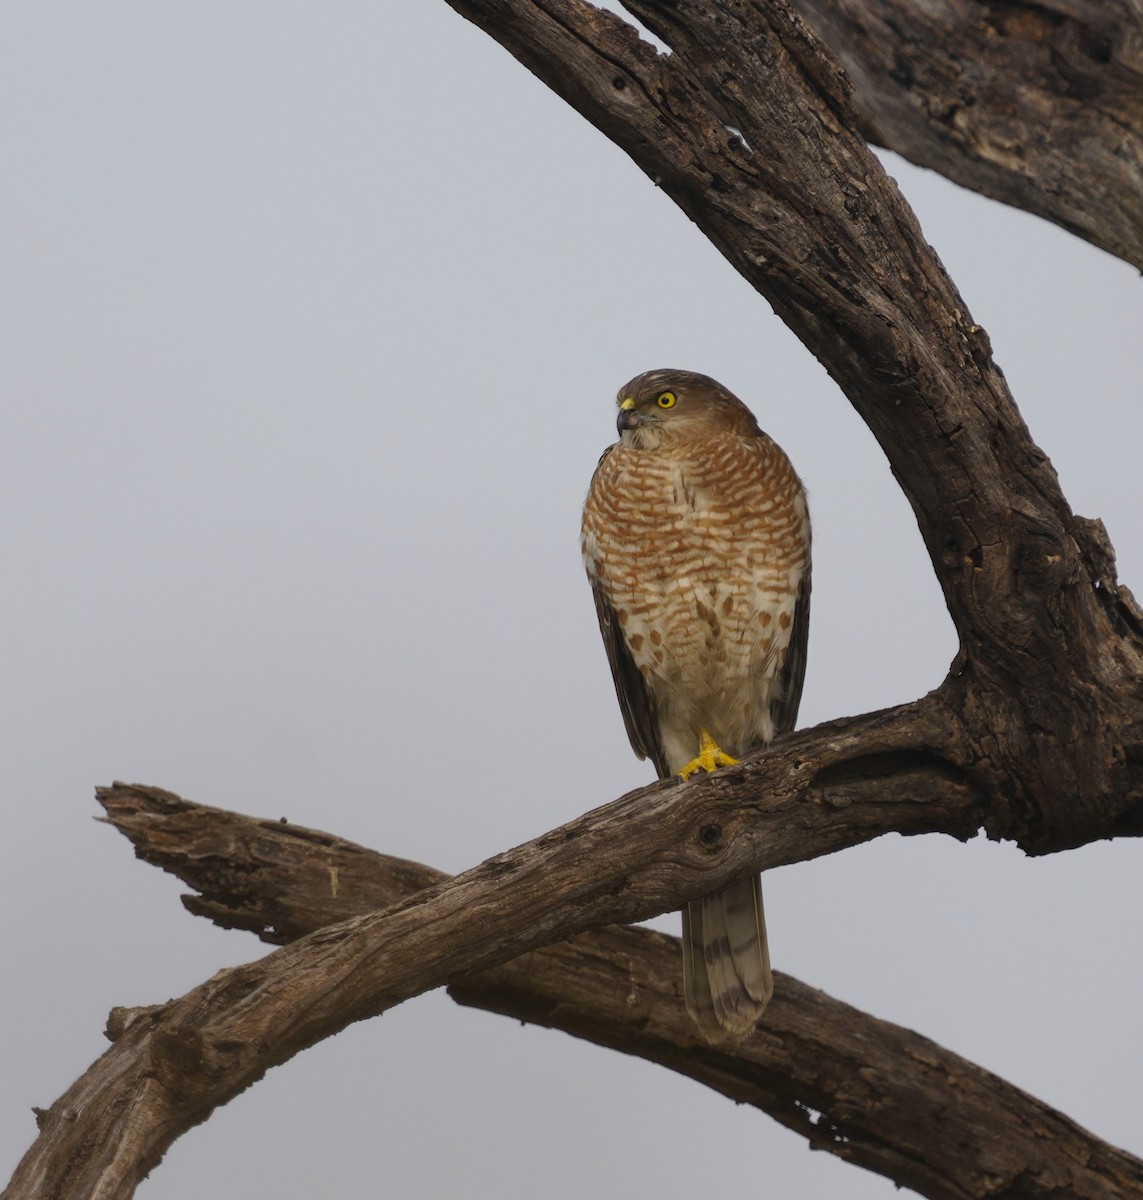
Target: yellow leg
(711,756)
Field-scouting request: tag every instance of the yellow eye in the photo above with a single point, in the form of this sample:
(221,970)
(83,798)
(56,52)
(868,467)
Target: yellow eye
(666,400)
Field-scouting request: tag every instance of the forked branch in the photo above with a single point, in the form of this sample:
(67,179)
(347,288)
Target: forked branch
(646,853)
(750,128)
(870,1092)
(1036,735)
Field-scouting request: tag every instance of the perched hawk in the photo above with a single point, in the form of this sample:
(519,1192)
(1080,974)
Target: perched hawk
(696,540)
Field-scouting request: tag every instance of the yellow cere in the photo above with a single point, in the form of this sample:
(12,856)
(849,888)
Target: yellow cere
(627,403)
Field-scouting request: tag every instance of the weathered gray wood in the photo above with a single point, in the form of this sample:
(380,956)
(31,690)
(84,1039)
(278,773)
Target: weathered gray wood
(1036,733)
(868,1091)
(642,855)
(1037,105)
(1051,646)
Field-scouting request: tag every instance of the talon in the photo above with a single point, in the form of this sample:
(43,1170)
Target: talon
(710,757)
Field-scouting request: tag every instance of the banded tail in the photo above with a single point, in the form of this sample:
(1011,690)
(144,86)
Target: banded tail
(726,962)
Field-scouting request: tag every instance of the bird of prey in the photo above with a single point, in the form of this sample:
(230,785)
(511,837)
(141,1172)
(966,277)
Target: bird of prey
(696,539)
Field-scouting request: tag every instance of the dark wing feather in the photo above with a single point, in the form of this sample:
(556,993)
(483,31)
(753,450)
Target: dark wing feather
(634,699)
(788,694)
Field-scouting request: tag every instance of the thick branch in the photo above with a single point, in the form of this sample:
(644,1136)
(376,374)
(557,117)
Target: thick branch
(870,1092)
(803,210)
(1037,105)
(1036,736)
(1051,653)
(819,791)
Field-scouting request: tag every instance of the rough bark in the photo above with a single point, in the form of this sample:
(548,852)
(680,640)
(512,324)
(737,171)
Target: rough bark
(1035,734)
(1038,105)
(640,856)
(1048,676)
(867,1091)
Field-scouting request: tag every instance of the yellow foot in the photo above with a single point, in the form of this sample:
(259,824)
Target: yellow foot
(710,757)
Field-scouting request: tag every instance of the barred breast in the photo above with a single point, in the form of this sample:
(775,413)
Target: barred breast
(701,552)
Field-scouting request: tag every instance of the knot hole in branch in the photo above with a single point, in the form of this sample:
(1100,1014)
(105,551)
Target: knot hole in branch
(710,835)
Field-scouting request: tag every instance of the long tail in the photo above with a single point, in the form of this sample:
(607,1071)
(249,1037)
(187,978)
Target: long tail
(726,962)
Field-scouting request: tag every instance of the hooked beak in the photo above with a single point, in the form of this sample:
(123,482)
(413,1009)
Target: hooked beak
(628,418)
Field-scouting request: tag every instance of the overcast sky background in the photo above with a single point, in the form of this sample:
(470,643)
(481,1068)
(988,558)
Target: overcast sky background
(313,316)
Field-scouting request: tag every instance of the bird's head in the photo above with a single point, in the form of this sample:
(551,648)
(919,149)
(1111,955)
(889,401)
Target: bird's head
(662,408)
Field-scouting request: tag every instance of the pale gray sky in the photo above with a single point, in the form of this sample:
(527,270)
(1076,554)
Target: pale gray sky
(312,320)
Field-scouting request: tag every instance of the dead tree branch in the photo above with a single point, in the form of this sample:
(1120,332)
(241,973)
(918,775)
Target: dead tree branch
(1036,734)
(1037,105)
(882,1090)
(644,854)
(868,1091)
(749,127)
